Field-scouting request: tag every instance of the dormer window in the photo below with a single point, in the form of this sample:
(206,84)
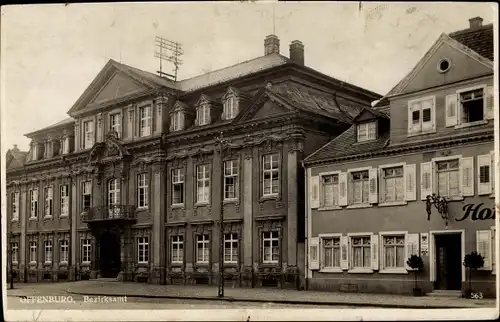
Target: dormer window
(367,131)
(65,145)
(48,149)
(203,114)
(34,152)
(178,121)
(230,108)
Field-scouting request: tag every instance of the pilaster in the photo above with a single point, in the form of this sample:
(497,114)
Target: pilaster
(74,223)
(247,209)
(22,242)
(292,208)
(77,136)
(158,233)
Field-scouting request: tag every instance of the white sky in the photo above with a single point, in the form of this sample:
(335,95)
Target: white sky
(51,53)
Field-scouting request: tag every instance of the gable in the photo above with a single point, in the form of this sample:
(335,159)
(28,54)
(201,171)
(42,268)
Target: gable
(269,108)
(365,116)
(463,66)
(13,164)
(119,85)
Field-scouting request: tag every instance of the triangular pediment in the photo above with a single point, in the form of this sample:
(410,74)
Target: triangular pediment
(464,63)
(264,104)
(119,85)
(364,116)
(205,99)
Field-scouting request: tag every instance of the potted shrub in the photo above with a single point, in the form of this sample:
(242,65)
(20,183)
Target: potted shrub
(473,262)
(416,263)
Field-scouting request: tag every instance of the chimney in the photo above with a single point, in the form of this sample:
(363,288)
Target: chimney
(476,22)
(297,52)
(15,148)
(272,45)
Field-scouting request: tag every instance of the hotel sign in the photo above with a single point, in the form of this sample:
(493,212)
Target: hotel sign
(478,212)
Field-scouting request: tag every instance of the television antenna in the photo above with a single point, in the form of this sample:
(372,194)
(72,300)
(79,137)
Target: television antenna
(168,51)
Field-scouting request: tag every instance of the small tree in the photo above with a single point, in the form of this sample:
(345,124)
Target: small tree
(473,261)
(416,263)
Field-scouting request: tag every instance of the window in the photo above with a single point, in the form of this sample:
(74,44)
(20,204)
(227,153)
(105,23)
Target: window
(472,105)
(444,65)
(86,247)
(34,152)
(64,251)
(48,201)
(203,183)
(421,116)
(394,184)
(202,248)
(230,248)
(360,187)
(142,191)
(34,203)
(115,123)
(15,205)
(65,143)
(271,174)
(203,114)
(88,132)
(177,121)
(15,252)
(145,120)
(448,178)
(113,197)
(177,186)
(331,252)
(177,249)
(86,195)
(64,193)
(367,131)
(330,190)
(48,149)
(270,247)
(394,255)
(231,180)
(33,252)
(230,108)
(360,250)
(48,251)
(142,250)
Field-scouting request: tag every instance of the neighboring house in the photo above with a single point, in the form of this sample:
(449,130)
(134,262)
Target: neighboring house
(431,134)
(132,185)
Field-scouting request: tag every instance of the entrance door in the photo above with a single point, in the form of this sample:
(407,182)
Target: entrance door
(110,254)
(448,262)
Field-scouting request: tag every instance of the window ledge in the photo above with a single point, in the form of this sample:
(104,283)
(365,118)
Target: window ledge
(357,206)
(14,220)
(230,201)
(230,264)
(177,264)
(269,264)
(394,271)
(63,216)
(456,198)
(32,263)
(471,124)
(142,264)
(177,206)
(360,271)
(269,197)
(47,217)
(33,218)
(86,263)
(139,209)
(63,263)
(421,133)
(329,208)
(202,204)
(47,263)
(202,264)
(395,203)
(331,270)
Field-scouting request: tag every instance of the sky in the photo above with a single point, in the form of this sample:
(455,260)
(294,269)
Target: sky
(50,53)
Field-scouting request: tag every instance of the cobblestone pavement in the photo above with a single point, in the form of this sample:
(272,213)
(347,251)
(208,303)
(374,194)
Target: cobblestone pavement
(244,295)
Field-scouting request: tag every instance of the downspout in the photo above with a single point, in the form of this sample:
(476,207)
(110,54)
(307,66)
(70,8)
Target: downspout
(306,228)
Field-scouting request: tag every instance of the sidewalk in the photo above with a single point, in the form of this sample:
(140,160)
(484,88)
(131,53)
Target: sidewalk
(209,292)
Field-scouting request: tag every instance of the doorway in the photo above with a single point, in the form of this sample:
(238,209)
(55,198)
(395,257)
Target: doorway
(109,254)
(448,261)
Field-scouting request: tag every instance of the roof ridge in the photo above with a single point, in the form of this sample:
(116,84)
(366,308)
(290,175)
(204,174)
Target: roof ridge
(470,30)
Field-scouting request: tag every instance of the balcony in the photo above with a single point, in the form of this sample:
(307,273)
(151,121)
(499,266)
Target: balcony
(109,213)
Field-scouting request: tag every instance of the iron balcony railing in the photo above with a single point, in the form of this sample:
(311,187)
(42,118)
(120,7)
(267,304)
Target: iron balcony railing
(115,212)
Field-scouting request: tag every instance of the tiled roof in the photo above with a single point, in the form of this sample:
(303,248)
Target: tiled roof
(346,145)
(232,72)
(385,110)
(19,156)
(478,39)
(64,122)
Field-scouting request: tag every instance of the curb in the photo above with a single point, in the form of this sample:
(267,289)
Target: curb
(233,299)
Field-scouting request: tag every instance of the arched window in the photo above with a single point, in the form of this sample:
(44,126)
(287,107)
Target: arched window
(113,197)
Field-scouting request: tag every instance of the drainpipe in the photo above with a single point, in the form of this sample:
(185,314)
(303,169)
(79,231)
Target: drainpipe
(306,228)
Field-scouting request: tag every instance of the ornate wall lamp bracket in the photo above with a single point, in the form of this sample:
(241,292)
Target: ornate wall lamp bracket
(440,203)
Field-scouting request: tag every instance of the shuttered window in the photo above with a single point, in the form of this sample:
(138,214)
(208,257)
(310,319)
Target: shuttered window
(361,252)
(330,190)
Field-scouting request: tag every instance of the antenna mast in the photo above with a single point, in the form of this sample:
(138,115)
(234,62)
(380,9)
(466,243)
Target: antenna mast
(168,51)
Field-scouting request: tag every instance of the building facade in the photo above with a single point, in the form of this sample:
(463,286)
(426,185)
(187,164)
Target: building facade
(412,175)
(134,183)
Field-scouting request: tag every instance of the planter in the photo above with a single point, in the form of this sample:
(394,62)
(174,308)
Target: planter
(417,292)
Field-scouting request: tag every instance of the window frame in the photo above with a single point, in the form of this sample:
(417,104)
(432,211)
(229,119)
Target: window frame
(323,267)
(230,107)
(89,194)
(367,136)
(181,183)
(14,205)
(88,135)
(65,145)
(352,268)
(235,176)
(64,200)
(271,239)
(350,185)
(86,249)
(48,245)
(206,183)
(206,246)
(143,241)
(14,247)
(322,205)
(392,270)
(118,125)
(144,188)
(411,109)
(271,171)
(381,178)
(63,244)
(146,120)
(176,120)
(434,173)
(33,245)
(460,106)
(34,203)
(203,114)
(232,240)
(48,201)
(176,250)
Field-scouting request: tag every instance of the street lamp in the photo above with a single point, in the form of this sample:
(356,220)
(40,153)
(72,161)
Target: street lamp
(441,205)
(221,141)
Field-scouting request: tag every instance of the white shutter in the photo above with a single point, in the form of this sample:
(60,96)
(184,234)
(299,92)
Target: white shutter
(483,247)
(467,176)
(373,181)
(489,103)
(314,191)
(343,189)
(412,247)
(451,110)
(344,252)
(314,253)
(374,252)
(484,181)
(425,180)
(410,173)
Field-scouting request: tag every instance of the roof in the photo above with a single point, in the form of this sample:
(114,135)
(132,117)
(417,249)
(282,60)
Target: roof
(231,72)
(151,77)
(19,156)
(346,145)
(62,123)
(478,39)
(378,112)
